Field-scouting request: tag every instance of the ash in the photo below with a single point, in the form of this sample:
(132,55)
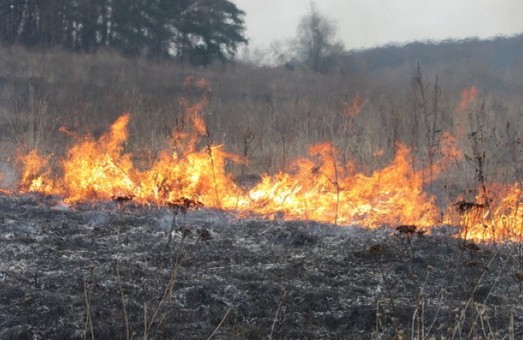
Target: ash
(108,271)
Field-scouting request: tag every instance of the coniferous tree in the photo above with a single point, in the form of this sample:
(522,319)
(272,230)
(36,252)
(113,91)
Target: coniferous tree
(199,31)
(209,30)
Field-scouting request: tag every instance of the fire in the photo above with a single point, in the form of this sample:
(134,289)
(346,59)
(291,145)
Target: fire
(324,190)
(35,174)
(353,108)
(2,180)
(317,187)
(200,175)
(100,169)
(498,218)
(467,97)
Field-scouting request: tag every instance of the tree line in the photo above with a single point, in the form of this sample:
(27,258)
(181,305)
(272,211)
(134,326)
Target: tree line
(197,31)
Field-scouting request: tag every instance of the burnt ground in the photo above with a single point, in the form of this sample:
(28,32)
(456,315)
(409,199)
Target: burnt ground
(67,272)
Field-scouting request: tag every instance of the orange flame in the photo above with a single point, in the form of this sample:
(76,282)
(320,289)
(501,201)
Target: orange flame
(491,219)
(318,187)
(35,174)
(322,191)
(99,169)
(467,97)
(449,153)
(3,190)
(354,108)
(378,153)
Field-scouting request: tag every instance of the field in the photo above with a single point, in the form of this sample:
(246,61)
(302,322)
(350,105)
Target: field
(103,272)
(151,199)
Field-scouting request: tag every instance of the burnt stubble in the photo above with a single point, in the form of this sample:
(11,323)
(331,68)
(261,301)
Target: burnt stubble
(103,270)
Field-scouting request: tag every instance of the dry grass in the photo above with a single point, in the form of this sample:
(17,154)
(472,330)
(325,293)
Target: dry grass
(282,111)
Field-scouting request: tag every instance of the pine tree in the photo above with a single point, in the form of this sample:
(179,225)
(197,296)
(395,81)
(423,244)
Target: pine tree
(198,31)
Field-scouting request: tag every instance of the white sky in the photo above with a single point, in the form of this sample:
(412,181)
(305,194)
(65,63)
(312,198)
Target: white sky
(368,23)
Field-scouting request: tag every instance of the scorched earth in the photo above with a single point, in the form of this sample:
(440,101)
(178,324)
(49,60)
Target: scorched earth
(119,270)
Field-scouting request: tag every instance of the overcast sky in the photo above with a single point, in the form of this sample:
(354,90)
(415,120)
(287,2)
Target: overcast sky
(367,23)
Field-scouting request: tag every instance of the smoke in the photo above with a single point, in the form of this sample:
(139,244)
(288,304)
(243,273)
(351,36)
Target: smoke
(8,177)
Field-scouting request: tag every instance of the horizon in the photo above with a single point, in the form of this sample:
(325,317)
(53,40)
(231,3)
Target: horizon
(373,24)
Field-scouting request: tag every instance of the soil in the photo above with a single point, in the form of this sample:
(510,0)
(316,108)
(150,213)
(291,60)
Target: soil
(115,270)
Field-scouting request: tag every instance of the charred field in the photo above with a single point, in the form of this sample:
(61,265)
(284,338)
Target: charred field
(376,154)
(109,270)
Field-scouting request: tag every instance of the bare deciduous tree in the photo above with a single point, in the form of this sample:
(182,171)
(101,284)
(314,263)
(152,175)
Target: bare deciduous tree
(315,45)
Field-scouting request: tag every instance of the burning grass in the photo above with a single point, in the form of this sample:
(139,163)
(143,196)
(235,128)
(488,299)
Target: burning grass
(319,187)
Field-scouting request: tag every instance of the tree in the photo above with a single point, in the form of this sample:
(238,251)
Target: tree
(134,25)
(199,31)
(208,30)
(20,21)
(315,42)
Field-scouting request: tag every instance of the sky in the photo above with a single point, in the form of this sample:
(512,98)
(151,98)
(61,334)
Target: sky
(370,23)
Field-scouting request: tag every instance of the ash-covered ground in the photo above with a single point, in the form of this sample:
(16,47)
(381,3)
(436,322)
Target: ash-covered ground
(108,272)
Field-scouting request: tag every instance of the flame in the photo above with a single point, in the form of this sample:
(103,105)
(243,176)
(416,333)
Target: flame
(3,190)
(496,217)
(317,187)
(199,175)
(467,97)
(35,173)
(378,153)
(450,153)
(353,108)
(99,168)
(324,190)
